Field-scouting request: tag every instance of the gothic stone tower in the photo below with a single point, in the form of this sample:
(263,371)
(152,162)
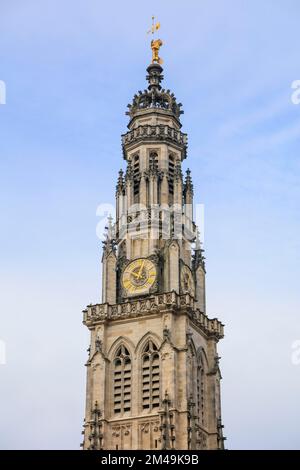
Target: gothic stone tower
(153,379)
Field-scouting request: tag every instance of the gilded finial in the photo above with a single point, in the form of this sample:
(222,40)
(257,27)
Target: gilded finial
(155,43)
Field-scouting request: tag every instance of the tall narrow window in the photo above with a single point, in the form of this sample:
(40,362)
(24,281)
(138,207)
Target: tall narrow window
(122,381)
(150,377)
(171,174)
(136,175)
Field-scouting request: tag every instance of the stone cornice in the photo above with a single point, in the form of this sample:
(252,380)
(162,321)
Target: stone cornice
(170,301)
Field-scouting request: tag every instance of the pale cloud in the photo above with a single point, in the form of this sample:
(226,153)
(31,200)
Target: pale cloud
(246,122)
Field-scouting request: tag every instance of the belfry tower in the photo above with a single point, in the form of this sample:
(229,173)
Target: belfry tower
(153,377)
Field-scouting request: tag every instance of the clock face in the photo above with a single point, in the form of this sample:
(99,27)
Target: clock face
(187,281)
(139,276)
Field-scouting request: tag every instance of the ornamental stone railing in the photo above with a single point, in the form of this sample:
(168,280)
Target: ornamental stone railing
(157,132)
(154,304)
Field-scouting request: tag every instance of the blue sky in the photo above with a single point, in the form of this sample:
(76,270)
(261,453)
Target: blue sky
(70,68)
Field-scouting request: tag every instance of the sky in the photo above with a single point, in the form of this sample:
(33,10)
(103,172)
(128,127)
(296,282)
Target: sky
(70,68)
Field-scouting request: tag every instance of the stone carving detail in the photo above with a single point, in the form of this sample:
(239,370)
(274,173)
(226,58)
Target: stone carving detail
(189,339)
(118,429)
(165,356)
(166,333)
(202,440)
(114,310)
(121,435)
(98,343)
(145,427)
(149,434)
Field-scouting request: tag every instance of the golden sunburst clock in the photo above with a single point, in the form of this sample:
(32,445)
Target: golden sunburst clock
(139,276)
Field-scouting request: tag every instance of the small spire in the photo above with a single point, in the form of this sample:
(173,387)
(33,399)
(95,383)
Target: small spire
(120,183)
(110,226)
(129,172)
(109,243)
(188,181)
(96,434)
(198,242)
(167,427)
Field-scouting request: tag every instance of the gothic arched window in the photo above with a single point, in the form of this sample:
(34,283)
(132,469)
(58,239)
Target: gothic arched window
(122,381)
(150,377)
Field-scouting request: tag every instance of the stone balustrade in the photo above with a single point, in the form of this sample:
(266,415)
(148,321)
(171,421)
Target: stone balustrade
(157,132)
(154,304)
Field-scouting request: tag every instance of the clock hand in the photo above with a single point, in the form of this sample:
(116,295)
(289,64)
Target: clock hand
(135,274)
(140,271)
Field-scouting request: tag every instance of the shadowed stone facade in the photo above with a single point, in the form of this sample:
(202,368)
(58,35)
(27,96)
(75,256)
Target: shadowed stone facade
(153,377)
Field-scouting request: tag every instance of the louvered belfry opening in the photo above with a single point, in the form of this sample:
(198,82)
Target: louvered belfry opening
(150,377)
(153,160)
(122,381)
(136,175)
(171,174)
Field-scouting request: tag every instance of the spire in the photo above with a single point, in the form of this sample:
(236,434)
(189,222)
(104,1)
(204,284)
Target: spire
(198,242)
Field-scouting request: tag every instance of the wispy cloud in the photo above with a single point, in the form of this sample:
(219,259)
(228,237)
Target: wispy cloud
(260,115)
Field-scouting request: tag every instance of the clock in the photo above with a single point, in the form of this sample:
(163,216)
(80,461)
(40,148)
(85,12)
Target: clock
(187,281)
(139,276)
